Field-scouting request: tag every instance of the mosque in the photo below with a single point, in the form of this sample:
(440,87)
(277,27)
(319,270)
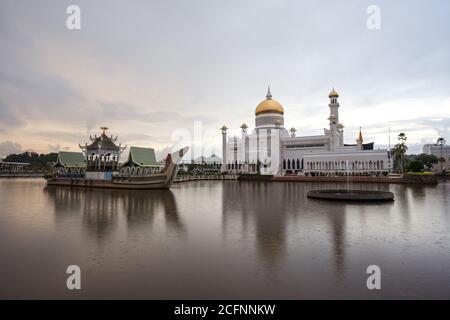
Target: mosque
(271,149)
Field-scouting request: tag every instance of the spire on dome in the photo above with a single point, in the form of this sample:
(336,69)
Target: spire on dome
(360,137)
(269,94)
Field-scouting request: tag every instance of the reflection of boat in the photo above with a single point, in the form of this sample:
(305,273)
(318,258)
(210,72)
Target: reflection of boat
(99,167)
(105,210)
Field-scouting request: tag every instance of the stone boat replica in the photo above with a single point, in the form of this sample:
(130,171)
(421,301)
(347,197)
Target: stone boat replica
(98,166)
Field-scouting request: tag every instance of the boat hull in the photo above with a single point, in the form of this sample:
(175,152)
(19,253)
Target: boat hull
(163,180)
(122,184)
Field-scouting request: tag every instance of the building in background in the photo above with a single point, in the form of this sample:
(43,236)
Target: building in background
(271,149)
(8,168)
(440,152)
(202,165)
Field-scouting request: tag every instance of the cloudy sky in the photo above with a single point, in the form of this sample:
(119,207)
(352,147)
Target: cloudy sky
(149,68)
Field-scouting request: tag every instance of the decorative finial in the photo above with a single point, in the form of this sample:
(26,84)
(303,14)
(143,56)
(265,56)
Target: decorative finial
(103,129)
(360,137)
(269,94)
(224,128)
(333,94)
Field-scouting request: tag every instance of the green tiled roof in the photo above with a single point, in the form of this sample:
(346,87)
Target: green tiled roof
(143,157)
(71,159)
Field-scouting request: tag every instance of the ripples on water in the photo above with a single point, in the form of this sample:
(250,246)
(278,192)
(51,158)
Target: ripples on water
(212,239)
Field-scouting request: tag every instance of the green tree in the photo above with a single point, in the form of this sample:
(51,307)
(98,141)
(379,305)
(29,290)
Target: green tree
(427,159)
(415,166)
(38,162)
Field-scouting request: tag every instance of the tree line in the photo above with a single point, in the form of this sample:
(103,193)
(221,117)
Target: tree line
(37,161)
(415,163)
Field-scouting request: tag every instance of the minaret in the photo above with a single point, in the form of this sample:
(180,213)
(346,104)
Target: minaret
(224,147)
(335,134)
(334,108)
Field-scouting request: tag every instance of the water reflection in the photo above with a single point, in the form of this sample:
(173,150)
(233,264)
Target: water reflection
(262,205)
(101,209)
(337,223)
(246,241)
(269,210)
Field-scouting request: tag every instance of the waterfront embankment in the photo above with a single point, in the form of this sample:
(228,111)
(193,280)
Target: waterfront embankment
(22,175)
(405,179)
(206,177)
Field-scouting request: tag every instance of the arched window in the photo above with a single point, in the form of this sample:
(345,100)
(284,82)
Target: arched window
(298,164)
(289,164)
(284,164)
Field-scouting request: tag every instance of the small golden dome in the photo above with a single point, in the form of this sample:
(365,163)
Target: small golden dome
(269,106)
(333,94)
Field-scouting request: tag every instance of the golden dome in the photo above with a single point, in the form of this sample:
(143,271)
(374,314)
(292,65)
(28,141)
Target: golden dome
(333,94)
(269,106)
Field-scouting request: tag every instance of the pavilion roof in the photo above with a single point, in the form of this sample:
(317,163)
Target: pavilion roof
(143,157)
(70,159)
(103,142)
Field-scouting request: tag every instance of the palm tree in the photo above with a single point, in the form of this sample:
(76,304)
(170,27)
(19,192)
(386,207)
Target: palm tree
(441,142)
(400,150)
(402,137)
(399,154)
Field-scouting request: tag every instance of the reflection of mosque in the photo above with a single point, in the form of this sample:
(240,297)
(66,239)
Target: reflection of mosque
(269,210)
(261,205)
(101,209)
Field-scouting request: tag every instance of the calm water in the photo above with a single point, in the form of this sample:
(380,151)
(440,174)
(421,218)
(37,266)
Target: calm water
(212,239)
